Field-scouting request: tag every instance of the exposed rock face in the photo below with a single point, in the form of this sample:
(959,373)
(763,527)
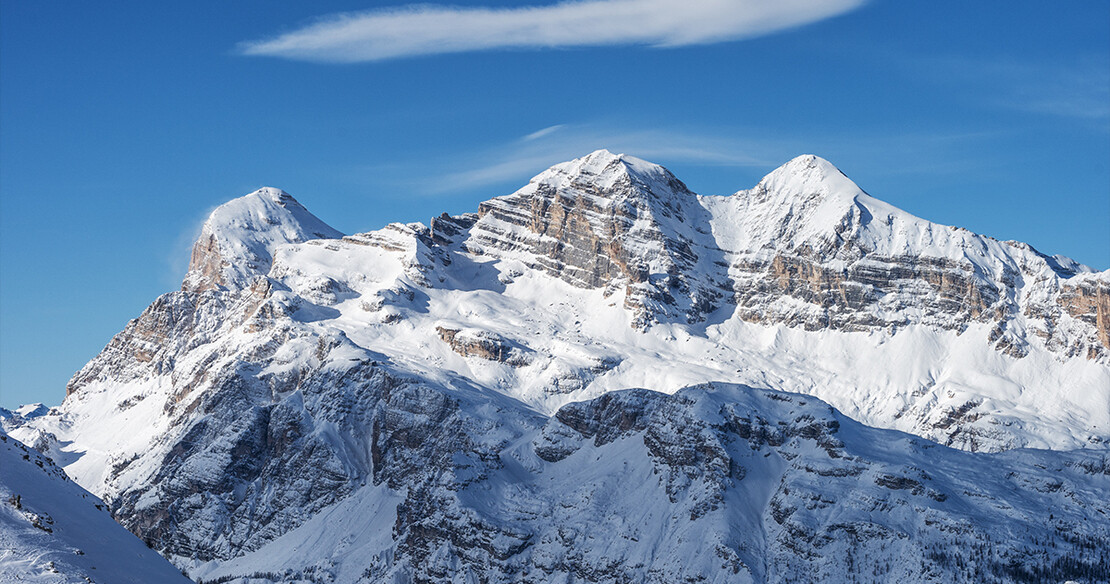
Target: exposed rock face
(607,221)
(942,293)
(1089,301)
(715,484)
(149,344)
(819,253)
(206,264)
(806,248)
(170,329)
(1071,315)
(484,345)
(260,461)
(809,467)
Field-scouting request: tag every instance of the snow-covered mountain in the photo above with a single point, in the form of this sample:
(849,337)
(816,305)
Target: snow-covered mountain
(53,531)
(435,403)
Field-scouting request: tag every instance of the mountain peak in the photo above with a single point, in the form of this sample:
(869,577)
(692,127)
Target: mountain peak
(34,410)
(276,195)
(809,161)
(353,415)
(603,159)
(610,176)
(237,241)
(809,176)
(806,202)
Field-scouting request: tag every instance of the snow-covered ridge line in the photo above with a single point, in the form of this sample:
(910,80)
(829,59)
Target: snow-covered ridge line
(967,324)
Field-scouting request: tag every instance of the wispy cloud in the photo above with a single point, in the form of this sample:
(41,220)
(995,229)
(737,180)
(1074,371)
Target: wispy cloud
(534,152)
(1081,91)
(542,132)
(1079,88)
(743,152)
(424,30)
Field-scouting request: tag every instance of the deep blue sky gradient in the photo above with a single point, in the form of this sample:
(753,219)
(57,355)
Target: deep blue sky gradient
(122,124)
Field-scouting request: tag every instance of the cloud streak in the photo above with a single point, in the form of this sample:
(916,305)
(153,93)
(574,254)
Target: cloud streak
(1081,91)
(520,159)
(1078,89)
(426,30)
(542,132)
(746,152)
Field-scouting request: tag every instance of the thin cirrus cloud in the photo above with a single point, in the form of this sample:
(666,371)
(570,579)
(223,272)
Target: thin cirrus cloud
(509,164)
(543,132)
(1077,89)
(425,30)
(530,154)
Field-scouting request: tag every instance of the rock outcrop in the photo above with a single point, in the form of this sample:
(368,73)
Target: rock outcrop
(1088,300)
(615,222)
(484,345)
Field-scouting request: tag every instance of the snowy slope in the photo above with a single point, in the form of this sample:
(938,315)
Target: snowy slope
(52,530)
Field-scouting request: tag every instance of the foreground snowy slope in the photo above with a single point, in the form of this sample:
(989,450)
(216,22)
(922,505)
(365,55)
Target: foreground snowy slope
(295,383)
(53,531)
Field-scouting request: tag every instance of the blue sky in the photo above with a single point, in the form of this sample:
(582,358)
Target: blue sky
(122,124)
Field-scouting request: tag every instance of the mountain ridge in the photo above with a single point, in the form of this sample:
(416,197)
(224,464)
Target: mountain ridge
(685,259)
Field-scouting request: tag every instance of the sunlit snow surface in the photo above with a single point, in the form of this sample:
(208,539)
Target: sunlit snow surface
(60,533)
(900,380)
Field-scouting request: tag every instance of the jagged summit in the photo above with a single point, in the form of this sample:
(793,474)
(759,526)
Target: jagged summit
(276,195)
(602,162)
(609,220)
(807,176)
(238,239)
(608,175)
(806,247)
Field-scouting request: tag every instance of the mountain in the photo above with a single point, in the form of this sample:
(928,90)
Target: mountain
(53,531)
(443,402)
